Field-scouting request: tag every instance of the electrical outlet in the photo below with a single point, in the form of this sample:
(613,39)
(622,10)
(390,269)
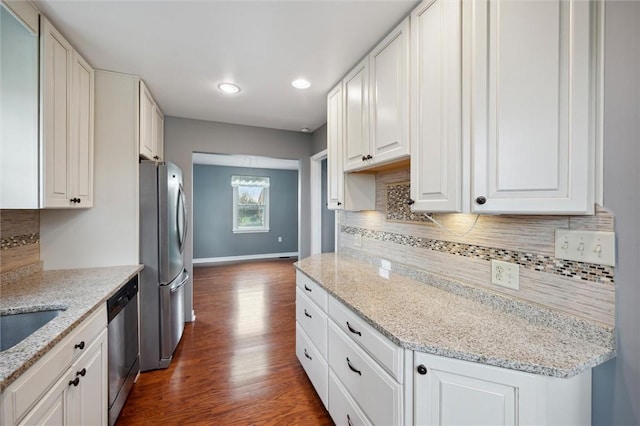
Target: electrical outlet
(385,264)
(505,274)
(384,273)
(279,239)
(586,246)
(357,240)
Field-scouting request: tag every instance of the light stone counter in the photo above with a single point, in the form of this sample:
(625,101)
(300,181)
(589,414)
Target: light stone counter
(78,291)
(420,315)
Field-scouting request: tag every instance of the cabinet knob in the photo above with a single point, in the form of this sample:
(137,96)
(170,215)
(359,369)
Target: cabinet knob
(74,382)
(307,355)
(79,345)
(155,157)
(81,372)
(369,157)
(410,201)
(422,369)
(364,158)
(481,200)
(307,314)
(339,203)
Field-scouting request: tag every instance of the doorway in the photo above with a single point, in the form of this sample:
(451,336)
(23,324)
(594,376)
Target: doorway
(323,220)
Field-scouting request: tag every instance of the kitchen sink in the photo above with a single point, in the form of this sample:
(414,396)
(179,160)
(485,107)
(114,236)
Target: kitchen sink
(14,328)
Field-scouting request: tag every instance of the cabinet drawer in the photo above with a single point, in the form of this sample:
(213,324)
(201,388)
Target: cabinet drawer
(313,321)
(370,339)
(311,289)
(375,391)
(28,389)
(343,409)
(314,365)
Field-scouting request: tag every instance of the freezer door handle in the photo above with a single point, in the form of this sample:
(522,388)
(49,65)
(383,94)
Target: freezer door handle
(176,285)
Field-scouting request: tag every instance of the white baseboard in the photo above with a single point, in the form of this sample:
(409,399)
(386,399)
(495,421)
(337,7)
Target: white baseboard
(214,260)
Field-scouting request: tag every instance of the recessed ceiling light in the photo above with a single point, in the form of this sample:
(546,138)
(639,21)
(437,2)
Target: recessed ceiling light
(301,83)
(304,130)
(229,88)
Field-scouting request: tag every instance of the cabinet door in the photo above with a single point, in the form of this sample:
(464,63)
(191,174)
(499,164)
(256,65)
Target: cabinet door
(87,401)
(436,162)
(532,107)
(81,141)
(159,134)
(389,96)
(147,129)
(453,392)
(52,409)
(56,59)
(356,123)
(335,175)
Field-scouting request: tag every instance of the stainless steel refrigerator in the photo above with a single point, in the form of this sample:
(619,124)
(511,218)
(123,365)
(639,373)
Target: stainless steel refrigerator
(163,228)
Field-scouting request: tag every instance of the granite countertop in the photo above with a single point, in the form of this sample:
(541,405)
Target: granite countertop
(78,291)
(425,318)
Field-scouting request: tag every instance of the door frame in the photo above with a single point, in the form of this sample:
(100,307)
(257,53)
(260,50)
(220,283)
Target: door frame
(315,174)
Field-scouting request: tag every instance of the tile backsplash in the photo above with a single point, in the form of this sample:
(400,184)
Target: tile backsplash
(394,233)
(19,239)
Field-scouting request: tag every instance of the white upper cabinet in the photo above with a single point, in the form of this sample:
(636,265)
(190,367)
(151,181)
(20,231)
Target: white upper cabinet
(148,127)
(67,122)
(356,116)
(436,95)
(335,176)
(81,142)
(532,106)
(389,96)
(159,133)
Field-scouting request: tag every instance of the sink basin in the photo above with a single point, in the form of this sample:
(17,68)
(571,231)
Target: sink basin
(14,328)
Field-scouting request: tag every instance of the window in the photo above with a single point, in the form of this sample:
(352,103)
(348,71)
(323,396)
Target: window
(250,203)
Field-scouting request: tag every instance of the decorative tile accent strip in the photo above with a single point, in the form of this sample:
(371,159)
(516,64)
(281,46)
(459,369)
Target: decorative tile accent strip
(397,207)
(19,240)
(576,327)
(551,265)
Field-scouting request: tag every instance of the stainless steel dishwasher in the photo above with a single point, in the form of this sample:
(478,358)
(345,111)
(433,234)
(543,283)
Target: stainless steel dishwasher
(124,363)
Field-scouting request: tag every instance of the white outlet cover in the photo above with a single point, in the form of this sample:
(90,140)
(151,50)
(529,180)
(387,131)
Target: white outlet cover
(385,264)
(384,273)
(586,246)
(505,274)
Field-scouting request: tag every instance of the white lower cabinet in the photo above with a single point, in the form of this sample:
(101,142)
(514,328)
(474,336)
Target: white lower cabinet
(79,397)
(343,409)
(68,385)
(378,395)
(454,392)
(314,365)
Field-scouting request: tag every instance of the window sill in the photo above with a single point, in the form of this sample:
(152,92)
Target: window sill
(250,230)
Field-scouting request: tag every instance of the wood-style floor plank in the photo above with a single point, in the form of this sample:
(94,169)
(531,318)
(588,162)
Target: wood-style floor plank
(236,364)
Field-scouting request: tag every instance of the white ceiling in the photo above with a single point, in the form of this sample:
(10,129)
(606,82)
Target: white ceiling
(183,49)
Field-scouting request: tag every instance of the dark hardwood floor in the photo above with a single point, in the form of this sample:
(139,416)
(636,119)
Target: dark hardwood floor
(236,364)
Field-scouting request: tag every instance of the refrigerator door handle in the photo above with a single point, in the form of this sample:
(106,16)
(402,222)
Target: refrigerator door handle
(176,285)
(181,221)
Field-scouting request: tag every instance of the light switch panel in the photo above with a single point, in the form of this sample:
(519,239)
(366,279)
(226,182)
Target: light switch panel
(586,246)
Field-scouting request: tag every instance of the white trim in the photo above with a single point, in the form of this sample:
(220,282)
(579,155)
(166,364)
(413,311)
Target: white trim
(250,230)
(315,174)
(235,228)
(250,161)
(223,259)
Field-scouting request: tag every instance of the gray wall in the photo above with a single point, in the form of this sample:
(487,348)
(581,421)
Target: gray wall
(616,384)
(213,213)
(319,139)
(184,136)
